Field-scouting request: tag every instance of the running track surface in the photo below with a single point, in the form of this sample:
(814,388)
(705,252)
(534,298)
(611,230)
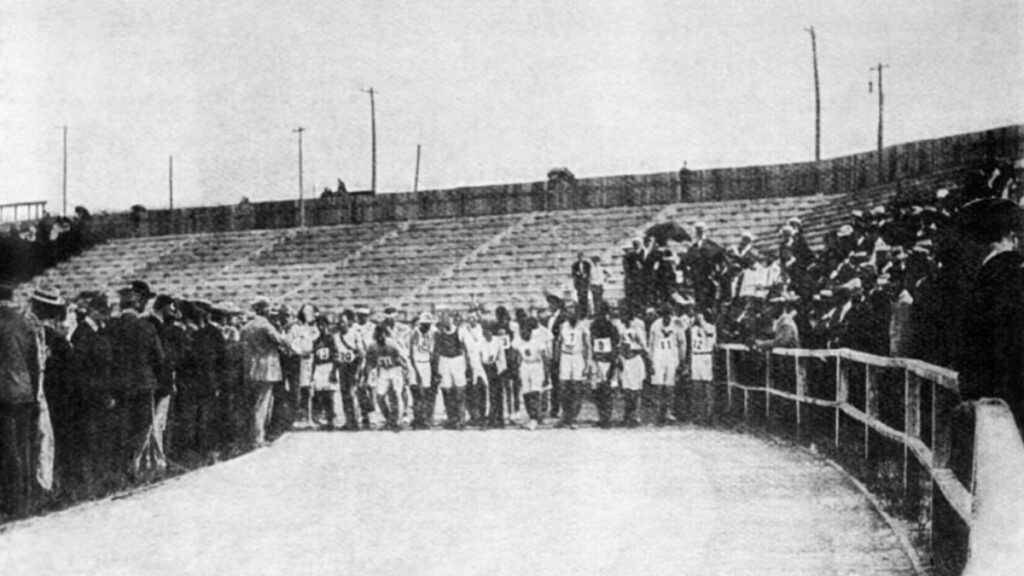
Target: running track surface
(648,501)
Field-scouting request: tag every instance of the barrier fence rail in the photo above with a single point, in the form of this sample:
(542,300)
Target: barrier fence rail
(897,425)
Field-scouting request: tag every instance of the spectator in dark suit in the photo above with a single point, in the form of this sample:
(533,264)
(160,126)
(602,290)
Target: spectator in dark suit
(992,359)
(137,360)
(100,406)
(633,269)
(581,282)
(19,381)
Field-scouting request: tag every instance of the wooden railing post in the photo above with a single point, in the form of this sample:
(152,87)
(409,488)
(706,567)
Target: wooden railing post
(870,403)
(842,396)
(729,378)
(800,380)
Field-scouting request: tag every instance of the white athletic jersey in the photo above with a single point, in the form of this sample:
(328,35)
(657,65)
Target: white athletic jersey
(401,333)
(421,345)
(473,338)
(667,340)
(365,333)
(702,343)
(349,346)
(633,336)
(532,351)
(572,338)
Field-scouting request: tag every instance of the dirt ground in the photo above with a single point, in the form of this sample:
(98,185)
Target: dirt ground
(650,501)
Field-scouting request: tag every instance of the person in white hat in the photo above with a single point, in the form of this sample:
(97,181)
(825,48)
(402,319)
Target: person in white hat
(364,329)
(421,354)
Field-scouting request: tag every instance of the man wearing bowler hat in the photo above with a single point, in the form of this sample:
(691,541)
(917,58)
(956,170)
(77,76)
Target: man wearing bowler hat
(137,359)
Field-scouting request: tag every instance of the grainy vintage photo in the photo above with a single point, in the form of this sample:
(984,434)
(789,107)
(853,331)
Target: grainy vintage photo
(511,287)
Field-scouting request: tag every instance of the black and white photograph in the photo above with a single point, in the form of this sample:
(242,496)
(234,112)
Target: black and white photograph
(525,288)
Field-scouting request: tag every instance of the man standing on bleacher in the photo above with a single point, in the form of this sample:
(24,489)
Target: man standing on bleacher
(581,282)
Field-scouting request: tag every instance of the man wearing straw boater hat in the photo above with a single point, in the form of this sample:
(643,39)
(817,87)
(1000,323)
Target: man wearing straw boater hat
(19,377)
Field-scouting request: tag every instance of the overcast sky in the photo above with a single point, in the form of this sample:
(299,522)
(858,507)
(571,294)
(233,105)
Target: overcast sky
(495,91)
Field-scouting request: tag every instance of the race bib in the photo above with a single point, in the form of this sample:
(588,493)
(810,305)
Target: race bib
(505,342)
(385,362)
(603,345)
(323,354)
(346,356)
(667,344)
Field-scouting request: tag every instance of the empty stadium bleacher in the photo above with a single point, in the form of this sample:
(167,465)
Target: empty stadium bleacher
(441,263)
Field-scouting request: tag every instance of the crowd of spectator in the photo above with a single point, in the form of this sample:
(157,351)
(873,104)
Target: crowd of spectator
(887,281)
(27,249)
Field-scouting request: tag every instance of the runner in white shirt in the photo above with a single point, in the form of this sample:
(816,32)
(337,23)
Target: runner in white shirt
(574,351)
(702,344)
(533,352)
(632,350)
(667,347)
(472,333)
(421,354)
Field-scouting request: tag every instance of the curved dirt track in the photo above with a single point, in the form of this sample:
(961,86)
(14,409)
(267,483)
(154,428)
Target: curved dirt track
(649,501)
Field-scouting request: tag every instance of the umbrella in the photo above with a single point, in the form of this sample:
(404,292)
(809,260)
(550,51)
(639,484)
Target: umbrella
(667,231)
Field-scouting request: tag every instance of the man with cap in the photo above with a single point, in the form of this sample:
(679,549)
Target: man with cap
(233,403)
(138,364)
(991,364)
(421,355)
(20,368)
(350,352)
(667,342)
(165,316)
(92,362)
(262,348)
(209,356)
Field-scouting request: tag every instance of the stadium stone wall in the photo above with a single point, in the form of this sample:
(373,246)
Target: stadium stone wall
(840,175)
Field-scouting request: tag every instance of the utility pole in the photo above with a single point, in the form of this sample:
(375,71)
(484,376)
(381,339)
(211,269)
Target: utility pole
(881,113)
(170,182)
(302,211)
(416,182)
(64,186)
(817,97)
(373,136)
